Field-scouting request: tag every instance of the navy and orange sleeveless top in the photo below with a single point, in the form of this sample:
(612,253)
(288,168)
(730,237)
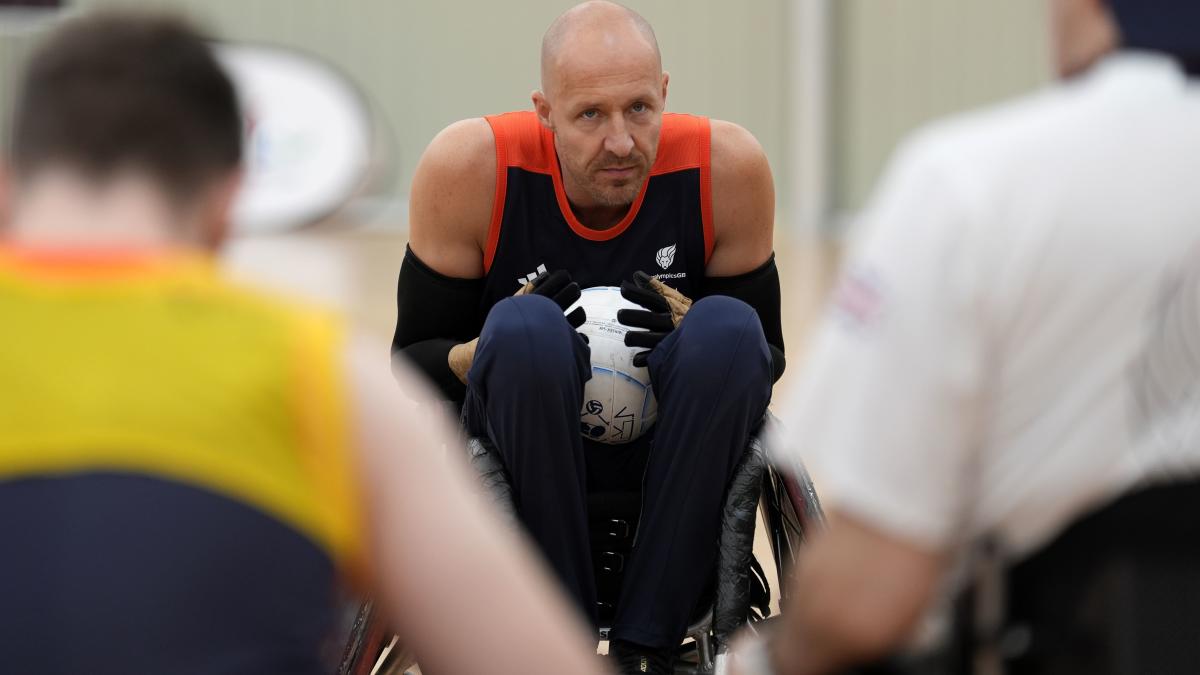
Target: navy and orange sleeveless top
(667,232)
(176,487)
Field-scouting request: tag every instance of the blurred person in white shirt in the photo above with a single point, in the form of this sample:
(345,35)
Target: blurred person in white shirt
(1013,346)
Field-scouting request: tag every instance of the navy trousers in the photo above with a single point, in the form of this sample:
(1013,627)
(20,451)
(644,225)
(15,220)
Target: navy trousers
(712,378)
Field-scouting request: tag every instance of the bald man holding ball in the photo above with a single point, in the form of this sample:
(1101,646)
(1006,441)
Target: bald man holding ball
(511,215)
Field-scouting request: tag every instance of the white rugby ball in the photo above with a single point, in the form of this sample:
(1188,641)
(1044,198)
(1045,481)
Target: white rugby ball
(618,402)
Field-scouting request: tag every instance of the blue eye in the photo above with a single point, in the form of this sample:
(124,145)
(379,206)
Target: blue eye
(639,108)
(589,114)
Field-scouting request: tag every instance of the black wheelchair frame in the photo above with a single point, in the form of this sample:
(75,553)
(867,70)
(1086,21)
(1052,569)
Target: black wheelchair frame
(777,487)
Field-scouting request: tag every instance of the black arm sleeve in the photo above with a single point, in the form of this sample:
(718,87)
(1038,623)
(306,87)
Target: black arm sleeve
(434,312)
(758,288)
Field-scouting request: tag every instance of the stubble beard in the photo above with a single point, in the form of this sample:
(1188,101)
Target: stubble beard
(610,195)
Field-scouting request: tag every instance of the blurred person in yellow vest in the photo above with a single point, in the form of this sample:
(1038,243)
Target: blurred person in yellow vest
(187,466)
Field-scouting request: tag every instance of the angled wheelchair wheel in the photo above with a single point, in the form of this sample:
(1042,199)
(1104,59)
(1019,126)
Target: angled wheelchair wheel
(371,647)
(792,513)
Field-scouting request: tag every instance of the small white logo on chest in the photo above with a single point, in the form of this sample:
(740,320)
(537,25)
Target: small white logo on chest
(666,256)
(521,281)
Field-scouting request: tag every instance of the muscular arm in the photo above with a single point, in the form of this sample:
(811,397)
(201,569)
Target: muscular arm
(466,593)
(450,202)
(863,593)
(743,196)
(438,292)
(742,265)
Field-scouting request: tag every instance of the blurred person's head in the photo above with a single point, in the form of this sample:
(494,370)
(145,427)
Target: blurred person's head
(1084,31)
(126,130)
(603,93)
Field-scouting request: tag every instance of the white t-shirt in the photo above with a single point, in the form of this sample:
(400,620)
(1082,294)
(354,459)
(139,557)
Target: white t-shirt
(1010,342)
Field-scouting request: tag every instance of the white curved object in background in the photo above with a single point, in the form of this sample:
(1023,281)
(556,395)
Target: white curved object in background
(308,137)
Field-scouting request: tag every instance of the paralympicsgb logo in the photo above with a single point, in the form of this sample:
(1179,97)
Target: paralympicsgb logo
(665,256)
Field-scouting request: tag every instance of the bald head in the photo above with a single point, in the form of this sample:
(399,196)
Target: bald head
(596,31)
(603,95)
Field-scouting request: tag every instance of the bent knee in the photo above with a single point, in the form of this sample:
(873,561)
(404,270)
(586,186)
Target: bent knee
(720,343)
(526,319)
(528,334)
(718,308)
(518,311)
(728,328)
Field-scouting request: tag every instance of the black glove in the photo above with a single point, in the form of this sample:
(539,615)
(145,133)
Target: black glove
(559,287)
(665,309)
(555,285)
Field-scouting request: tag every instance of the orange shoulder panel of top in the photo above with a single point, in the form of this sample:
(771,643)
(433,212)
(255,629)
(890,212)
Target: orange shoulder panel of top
(527,144)
(80,263)
(681,143)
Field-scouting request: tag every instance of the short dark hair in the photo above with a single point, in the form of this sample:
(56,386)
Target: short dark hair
(124,90)
(1168,26)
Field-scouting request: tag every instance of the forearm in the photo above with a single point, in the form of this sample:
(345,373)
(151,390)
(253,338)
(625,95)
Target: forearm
(433,314)
(801,643)
(758,288)
(778,650)
(483,581)
(804,645)
(446,565)
(863,592)
(432,358)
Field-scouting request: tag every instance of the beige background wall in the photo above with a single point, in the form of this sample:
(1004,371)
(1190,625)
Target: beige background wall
(428,63)
(892,64)
(899,63)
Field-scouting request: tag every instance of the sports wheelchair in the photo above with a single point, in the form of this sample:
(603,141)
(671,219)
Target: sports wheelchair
(739,594)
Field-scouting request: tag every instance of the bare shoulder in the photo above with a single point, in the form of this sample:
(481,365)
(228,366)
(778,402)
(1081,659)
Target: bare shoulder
(450,202)
(743,195)
(734,148)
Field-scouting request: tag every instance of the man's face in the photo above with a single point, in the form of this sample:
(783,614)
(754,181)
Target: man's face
(606,120)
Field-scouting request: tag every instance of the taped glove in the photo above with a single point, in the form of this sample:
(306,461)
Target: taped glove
(665,309)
